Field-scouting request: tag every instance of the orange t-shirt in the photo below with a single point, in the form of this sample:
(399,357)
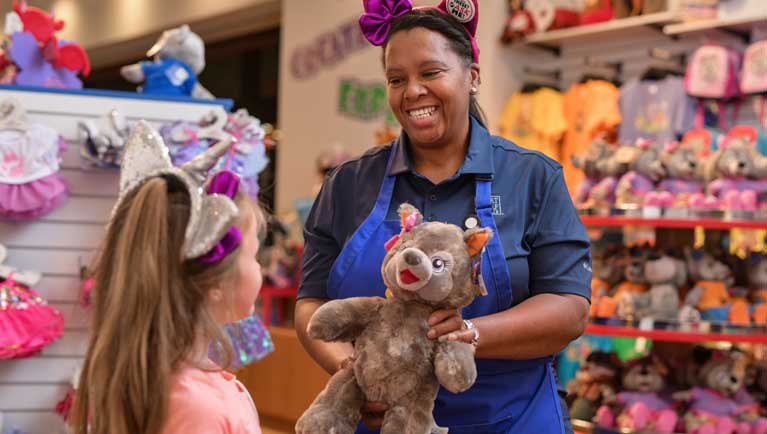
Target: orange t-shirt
(204,402)
(589,108)
(535,121)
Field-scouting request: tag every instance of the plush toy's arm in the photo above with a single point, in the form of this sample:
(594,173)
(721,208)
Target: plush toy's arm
(132,73)
(199,91)
(344,320)
(454,365)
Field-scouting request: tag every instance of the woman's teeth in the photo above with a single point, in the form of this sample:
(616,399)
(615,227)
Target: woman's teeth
(422,112)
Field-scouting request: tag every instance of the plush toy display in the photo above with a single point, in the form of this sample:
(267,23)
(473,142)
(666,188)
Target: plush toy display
(40,57)
(757,282)
(712,279)
(645,170)
(607,273)
(179,57)
(634,283)
(721,404)
(641,404)
(682,177)
(428,266)
(593,385)
(728,172)
(594,165)
(666,275)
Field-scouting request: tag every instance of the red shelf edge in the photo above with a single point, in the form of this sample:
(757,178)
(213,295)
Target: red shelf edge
(674,336)
(672,223)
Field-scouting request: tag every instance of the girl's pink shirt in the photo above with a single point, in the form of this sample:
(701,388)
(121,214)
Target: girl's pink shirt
(209,402)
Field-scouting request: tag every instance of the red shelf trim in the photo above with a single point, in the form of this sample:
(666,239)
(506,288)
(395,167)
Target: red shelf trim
(674,336)
(672,223)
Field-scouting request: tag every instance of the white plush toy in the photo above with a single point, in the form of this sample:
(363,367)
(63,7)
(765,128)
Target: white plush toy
(178,58)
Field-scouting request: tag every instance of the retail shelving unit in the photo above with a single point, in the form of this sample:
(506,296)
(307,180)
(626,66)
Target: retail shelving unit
(555,38)
(672,223)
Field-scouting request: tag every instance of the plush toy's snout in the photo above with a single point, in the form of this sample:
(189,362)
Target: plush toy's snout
(413,269)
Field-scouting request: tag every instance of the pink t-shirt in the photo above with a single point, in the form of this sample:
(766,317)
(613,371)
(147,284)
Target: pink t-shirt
(203,402)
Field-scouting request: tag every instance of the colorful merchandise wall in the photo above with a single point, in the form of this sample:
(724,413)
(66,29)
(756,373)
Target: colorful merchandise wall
(60,243)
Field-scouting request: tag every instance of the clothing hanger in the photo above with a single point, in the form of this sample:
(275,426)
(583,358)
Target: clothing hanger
(662,64)
(27,277)
(597,69)
(12,115)
(536,79)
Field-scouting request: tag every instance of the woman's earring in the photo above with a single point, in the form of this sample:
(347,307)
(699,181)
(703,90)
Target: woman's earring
(474,90)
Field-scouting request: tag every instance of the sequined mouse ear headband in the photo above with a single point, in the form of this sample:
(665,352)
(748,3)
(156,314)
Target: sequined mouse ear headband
(379,14)
(209,235)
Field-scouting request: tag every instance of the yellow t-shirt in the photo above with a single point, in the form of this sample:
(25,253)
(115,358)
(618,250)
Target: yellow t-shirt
(535,121)
(589,109)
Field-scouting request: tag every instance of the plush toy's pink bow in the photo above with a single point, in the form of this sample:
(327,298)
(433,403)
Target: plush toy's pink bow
(408,223)
(379,14)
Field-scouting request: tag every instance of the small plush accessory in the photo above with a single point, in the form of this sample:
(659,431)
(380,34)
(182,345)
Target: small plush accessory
(379,14)
(211,215)
(250,341)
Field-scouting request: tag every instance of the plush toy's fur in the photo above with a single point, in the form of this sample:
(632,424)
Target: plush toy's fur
(645,170)
(428,267)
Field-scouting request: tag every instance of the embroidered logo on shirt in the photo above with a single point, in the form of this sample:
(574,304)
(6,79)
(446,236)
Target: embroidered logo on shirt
(176,75)
(586,266)
(495,202)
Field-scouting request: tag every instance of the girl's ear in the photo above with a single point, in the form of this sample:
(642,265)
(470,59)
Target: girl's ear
(215,296)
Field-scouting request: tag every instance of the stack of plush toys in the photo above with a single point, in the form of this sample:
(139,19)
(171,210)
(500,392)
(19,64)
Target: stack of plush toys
(32,55)
(679,179)
(679,288)
(533,16)
(704,392)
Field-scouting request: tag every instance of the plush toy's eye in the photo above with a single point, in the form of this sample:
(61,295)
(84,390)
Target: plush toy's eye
(437,264)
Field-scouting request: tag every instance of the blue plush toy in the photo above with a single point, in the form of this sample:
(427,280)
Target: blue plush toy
(178,58)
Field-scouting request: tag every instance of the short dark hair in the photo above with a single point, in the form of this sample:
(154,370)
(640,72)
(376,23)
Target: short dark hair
(450,28)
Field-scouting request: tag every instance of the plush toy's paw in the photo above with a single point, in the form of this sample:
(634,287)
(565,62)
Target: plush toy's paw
(325,324)
(322,420)
(455,367)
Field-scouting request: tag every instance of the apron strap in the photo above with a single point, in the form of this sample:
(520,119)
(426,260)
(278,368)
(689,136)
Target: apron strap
(365,231)
(493,259)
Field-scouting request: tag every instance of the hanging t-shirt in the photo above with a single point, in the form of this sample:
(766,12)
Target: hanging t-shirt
(589,108)
(535,121)
(658,110)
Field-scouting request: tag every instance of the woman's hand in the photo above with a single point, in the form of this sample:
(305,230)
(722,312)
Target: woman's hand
(373,414)
(447,325)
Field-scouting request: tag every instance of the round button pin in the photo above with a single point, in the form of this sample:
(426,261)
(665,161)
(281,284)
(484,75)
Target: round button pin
(471,222)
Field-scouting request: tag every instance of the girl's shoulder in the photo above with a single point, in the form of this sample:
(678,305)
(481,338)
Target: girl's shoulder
(203,401)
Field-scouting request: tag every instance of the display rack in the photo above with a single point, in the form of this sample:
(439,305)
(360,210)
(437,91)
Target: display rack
(672,223)
(695,334)
(555,38)
(740,24)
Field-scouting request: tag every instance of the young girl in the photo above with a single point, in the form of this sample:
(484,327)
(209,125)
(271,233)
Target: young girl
(178,261)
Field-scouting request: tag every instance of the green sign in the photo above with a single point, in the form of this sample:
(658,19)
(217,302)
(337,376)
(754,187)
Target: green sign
(364,101)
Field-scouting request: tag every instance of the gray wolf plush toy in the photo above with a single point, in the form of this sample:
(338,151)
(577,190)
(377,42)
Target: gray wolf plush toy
(428,266)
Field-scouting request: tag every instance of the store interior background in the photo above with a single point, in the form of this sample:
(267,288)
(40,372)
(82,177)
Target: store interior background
(287,62)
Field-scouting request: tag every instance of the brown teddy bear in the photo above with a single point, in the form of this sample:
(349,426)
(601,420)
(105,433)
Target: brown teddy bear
(428,266)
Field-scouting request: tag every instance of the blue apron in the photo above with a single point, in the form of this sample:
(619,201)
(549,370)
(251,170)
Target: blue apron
(509,395)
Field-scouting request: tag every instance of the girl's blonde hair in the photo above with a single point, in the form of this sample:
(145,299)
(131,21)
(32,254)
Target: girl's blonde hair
(149,310)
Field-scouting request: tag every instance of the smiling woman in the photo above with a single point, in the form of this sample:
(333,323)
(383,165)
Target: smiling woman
(446,163)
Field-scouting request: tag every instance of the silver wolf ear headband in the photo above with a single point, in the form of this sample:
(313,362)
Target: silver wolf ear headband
(211,215)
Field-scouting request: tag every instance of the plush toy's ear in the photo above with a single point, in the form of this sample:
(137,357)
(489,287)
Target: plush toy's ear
(409,216)
(183,32)
(476,239)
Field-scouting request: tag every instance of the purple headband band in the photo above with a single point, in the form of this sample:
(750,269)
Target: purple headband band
(226,183)
(379,14)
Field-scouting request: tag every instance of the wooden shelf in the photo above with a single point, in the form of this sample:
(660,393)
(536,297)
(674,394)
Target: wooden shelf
(675,335)
(740,23)
(672,223)
(557,37)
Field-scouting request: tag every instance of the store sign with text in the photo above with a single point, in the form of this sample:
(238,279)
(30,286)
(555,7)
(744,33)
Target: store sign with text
(364,101)
(327,50)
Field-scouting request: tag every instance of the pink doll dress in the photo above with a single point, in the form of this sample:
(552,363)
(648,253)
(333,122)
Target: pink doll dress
(27,323)
(30,185)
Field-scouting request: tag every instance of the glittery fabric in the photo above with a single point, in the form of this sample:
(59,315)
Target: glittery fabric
(146,156)
(250,340)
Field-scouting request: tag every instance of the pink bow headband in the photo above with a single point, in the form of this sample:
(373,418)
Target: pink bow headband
(379,14)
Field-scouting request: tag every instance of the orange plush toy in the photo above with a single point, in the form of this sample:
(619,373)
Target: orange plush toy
(712,279)
(757,281)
